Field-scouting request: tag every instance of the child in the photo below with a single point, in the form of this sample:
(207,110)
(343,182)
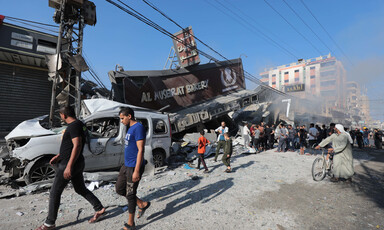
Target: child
(227,153)
(202,142)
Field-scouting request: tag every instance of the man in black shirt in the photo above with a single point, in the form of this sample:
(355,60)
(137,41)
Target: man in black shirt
(378,136)
(70,167)
(303,139)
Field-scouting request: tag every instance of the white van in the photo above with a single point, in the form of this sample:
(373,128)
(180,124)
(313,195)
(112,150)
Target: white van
(31,146)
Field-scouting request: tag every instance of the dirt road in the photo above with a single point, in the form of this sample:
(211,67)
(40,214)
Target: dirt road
(266,191)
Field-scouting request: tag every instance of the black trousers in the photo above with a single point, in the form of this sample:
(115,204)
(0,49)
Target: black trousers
(126,187)
(78,184)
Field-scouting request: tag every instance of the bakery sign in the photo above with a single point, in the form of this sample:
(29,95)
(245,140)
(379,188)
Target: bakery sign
(183,89)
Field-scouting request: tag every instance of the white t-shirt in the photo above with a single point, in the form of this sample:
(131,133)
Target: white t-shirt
(221,135)
(314,132)
(246,130)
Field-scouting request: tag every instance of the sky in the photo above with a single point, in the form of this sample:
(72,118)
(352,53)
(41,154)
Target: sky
(236,28)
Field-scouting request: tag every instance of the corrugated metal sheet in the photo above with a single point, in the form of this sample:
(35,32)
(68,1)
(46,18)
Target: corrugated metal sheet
(25,93)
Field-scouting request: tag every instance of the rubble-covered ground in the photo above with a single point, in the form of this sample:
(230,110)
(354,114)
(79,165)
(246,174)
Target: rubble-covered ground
(269,190)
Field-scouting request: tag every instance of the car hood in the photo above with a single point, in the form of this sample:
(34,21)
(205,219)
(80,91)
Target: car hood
(91,106)
(29,128)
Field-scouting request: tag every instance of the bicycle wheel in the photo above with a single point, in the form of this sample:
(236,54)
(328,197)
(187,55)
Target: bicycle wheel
(318,169)
(330,170)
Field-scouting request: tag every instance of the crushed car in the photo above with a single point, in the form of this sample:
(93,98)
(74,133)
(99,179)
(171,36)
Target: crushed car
(31,146)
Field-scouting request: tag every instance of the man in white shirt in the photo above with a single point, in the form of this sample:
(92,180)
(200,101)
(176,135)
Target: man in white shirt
(246,133)
(220,139)
(313,133)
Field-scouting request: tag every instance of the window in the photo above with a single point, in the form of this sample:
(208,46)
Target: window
(328,73)
(325,93)
(286,80)
(159,126)
(264,76)
(327,64)
(327,83)
(312,68)
(103,127)
(312,76)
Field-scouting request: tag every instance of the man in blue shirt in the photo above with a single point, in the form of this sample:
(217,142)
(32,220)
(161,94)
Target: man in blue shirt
(133,168)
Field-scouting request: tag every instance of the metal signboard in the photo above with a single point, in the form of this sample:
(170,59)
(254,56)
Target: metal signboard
(294,88)
(181,90)
(185,48)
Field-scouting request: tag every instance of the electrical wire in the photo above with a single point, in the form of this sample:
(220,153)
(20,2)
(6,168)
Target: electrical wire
(233,6)
(294,28)
(327,32)
(294,11)
(31,25)
(24,20)
(266,37)
(246,74)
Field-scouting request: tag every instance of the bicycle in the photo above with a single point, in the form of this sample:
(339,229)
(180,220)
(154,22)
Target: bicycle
(321,167)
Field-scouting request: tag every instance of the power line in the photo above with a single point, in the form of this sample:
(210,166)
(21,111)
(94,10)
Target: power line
(260,25)
(266,37)
(292,26)
(24,20)
(32,25)
(247,75)
(326,31)
(294,11)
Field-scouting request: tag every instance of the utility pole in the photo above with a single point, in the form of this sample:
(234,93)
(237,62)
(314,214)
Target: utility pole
(72,15)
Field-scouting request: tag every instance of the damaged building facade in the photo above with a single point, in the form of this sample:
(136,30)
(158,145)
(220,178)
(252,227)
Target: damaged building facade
(321,88)
(195,97)
(25,90)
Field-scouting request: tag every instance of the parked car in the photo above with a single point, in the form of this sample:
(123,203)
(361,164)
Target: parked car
(31,146)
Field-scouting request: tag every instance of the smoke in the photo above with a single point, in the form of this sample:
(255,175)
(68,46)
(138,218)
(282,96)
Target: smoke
(367,71)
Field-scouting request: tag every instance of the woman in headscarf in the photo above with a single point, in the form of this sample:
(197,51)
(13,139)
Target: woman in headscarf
(343,159)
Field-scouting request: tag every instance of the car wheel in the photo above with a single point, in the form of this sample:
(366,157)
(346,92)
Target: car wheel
(41,171)
(158,159)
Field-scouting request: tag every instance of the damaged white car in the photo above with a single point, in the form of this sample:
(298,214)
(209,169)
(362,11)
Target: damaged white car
(31,146)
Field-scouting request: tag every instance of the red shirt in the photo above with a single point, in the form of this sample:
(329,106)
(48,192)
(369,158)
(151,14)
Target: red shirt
(202,142)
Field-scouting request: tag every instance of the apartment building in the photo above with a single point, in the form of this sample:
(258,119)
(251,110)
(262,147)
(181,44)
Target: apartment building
(322,78)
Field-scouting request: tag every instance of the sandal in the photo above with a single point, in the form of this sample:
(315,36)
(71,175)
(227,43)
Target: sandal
(98,216)
(45,227)
(141,211)
(334,179)
(129,227)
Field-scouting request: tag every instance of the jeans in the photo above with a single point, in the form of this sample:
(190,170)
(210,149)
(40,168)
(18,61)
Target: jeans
(282,144)
(290,143)
(126,187)
(78,184)
(366,141)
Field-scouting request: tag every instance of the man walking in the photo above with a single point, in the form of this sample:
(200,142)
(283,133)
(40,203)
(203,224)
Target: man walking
(220,139)
(133,168)
(70,167)
(227,153)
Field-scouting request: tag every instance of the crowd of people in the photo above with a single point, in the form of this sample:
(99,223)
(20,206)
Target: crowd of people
(263,137)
